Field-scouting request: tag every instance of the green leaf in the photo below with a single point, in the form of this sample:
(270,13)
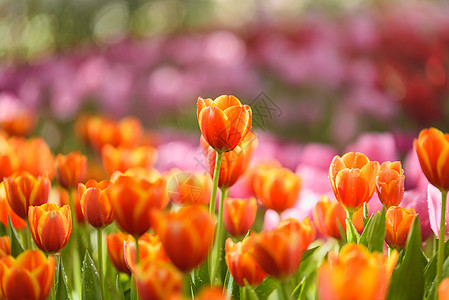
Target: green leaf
(266,288)
(232,288)
(407,282)
(119,288)
(365,214)
(61,285)
(249,293)
(430,272)
(297,292)
(16,246)
(373,235)
(89,279)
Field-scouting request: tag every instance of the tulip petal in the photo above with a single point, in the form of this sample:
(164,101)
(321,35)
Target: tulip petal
(225,101)
(239,124)
(215,127)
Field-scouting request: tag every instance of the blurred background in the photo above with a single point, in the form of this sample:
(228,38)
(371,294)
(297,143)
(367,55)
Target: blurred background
(313,71)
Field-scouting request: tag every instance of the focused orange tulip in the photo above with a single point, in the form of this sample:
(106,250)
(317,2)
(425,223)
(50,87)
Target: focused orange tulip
(239,215)
(95,203)
(279,251)
(443,290)
(277,188)
(35,156)
(50,226)
(187,235)
(150,249)
(158,280)
(224,122)
(398,223)
(6,210)
(327,214)
(70,169)
(9,160)
(121,159)
(115,243)
(29,276)
(188,188)
(24,190)
(390,183)
(241,264)
(353,179)
(356,267)
(432,148)
(5,246)
(133,200)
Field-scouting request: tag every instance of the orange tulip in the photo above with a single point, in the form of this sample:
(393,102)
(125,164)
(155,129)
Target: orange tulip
(9,160)
(70,169)
(95,203)
(432,147)
(224,122)
(138,173)
(241,264)
(327,214)
(356,267)
(239,215)
(121,159)
(6,210)
(132,201)
(50,226)
(390,183)
(24,190)
(150,249)
(212,293)
(5,246)
(398,223)
(231,166)
(279,251)
(21,123)
(353,179)
(187,235)
(35,156)
(277,188)
(115,243)
(443,290)
(29,276)
(249,144)
(158,280)
(188,188)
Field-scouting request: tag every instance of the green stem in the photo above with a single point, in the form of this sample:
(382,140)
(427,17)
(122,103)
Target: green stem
(218,238)
(285,289)
(137,250)
(100,260)
(441,237)
(349,226)
(28,242)
(74,245)
(213,196)
(53,290)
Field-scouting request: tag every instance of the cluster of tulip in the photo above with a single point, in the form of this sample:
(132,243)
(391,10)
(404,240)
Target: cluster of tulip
(165,244)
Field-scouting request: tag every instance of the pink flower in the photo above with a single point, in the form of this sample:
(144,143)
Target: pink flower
(434,203)
(376,146)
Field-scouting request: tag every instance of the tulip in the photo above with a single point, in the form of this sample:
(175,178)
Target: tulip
(355,266)
(186,235)
(188,188)
(158,280)
(70,169)
(305,228)
(5,246)
(390,183)
(6,210)
(432,147)
(277,188)
(115,243)
(121,159)
(231,166)
(50,226)
(22,123)
(224,122)
(443,290)
(150,249)
(95,203)
(29,276)
(138,173)
(239,215)
(327,215)
(132,201)
(212,293)
(398,223)
(241,264)
(24,190)
(249,145)
(279,251)
(9,161)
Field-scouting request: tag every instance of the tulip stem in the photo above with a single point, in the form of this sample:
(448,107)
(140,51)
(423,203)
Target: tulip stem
(215,261)
(136,239)
(100,260)
(28,241)
(285,289)
(213,196)
(349,227)
(441,236)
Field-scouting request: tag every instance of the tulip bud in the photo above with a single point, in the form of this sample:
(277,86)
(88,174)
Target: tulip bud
(6,211)
(5,246)
(188,188)
(398,223)
(116,250)
(390,183)
(70,169)
(150,249)
(239,215)
(95,203)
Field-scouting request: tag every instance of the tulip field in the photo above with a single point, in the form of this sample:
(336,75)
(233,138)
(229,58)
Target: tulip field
(158,150)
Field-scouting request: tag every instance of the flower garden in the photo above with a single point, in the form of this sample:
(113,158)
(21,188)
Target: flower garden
(300,153)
